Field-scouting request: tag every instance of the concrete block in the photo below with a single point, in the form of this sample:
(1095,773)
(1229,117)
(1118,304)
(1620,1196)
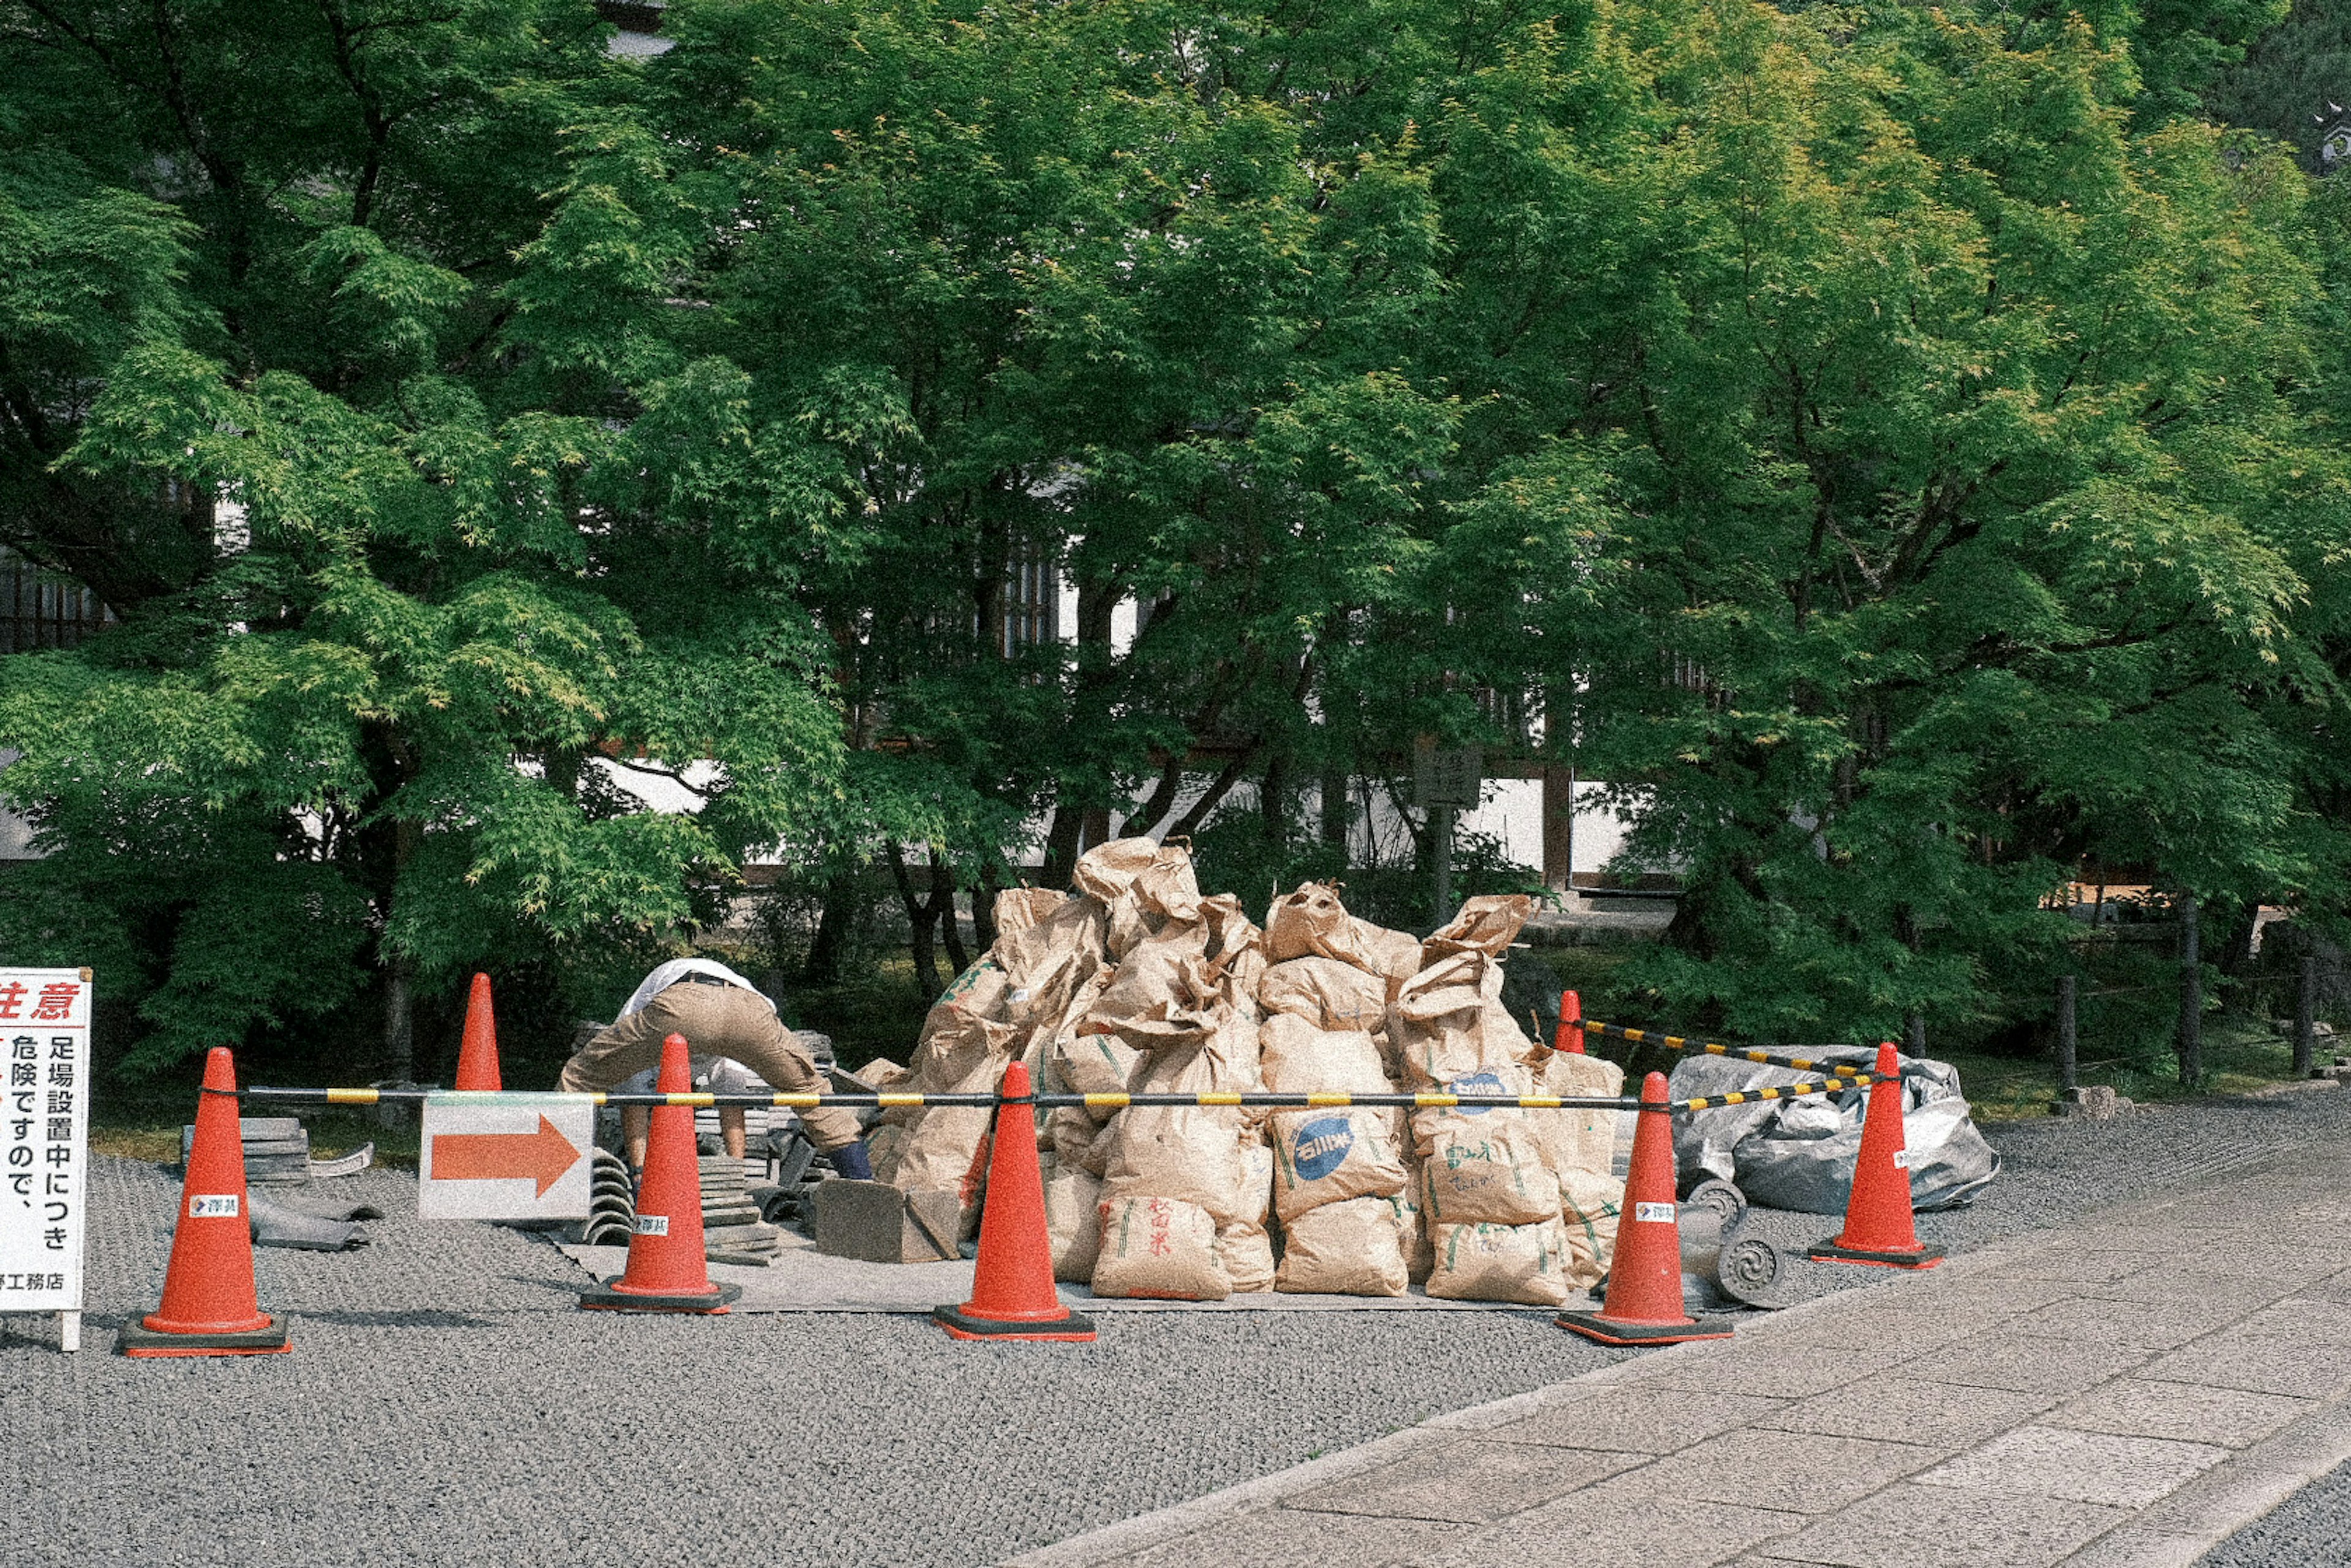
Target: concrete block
(875,1223)
(1901,1407)
(2078,1467)
(1614,1525)
(2090,1102)
(2025,1363)
(1912,1526)
(1467,1481)
(1624,1418)
(2149,1407)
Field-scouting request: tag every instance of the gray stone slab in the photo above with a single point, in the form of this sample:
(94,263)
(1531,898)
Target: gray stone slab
(2169,1282)
(2335,1289)
(1791,1370)
(1895,1320)
(1283,1538)
(2078,1467)
(2077,1265)
(2150,1325)
(1612,1525)
(2264,1357)
(2149,1407)
(1911,1526)
(1468,1480)
(1905,1407)
(1631,1418)
(1801,1472)
(1984,1298)
(2025,1363)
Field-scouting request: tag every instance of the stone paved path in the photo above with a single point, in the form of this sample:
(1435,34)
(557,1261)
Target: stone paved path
(2128,1390)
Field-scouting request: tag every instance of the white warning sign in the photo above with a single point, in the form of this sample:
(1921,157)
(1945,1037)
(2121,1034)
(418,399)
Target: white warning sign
(44,1140)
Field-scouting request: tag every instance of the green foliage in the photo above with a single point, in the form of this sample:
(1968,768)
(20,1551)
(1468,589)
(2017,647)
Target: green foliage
(1897,449)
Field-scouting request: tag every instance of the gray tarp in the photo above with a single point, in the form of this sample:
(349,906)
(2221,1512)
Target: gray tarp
(1798,1154)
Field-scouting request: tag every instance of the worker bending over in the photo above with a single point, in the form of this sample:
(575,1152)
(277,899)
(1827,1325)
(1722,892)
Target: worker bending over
(737,1045)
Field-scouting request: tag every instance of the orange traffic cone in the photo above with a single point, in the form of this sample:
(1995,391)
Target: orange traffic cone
(477,1056)
(1879,1225)
(1012,1294)
(667,1272)
(1644,1304)
(1569,1035)
(209,1306)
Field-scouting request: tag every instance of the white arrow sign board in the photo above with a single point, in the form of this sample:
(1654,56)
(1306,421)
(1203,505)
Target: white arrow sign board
(506,1157)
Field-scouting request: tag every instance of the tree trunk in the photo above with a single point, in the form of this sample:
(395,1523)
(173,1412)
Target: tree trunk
(1273,802)
(1062,843)
(922,922)
(983,904)
(828,953)
(942,899)
(1218,788)
(400,1021)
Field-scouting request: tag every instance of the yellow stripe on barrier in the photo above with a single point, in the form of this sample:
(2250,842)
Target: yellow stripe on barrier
(698,1101)
(1330,1098)
(350,1097)
(886,1100)
(1221,1097)
(1106,1102)
(1437,1102)
(799,1102)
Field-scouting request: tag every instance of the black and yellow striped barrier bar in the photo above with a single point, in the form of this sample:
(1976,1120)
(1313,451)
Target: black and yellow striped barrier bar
(1715,1048)
(1212,1099)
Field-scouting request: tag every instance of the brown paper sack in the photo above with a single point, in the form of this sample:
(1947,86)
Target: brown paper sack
(1436,1025)
(1073,1222)
(1243,1246)
(1327,993)
(1578,1140)
(1589,1202)
(1342,1250)
(1501,1263)
(1487,925)
(1481,1165)
(1161,1248)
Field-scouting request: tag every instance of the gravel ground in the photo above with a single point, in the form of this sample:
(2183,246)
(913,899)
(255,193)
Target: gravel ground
(2312,1527)
(444,1402)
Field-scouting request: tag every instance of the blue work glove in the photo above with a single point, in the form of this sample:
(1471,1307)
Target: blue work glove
(851,1162)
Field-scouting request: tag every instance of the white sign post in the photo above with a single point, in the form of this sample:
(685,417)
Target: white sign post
(506,1157)
(44,1144)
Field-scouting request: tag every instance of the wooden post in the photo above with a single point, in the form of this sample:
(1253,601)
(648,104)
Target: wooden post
(2192,994)
(2068,1041)
(2305,1019)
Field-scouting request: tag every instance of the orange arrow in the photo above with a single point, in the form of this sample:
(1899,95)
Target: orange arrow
(542,1157)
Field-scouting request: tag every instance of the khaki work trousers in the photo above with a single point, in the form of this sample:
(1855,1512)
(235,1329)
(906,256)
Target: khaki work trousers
(716,1021)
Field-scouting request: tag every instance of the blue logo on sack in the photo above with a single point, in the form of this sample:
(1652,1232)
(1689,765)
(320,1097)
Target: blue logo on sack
(1476,1083)
(1323,1146)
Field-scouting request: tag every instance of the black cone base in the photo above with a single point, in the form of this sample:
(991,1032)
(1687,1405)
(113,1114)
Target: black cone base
(1075,1327)
(1609,1331)
(604,1299)
(1830,1252)
(135,1339)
